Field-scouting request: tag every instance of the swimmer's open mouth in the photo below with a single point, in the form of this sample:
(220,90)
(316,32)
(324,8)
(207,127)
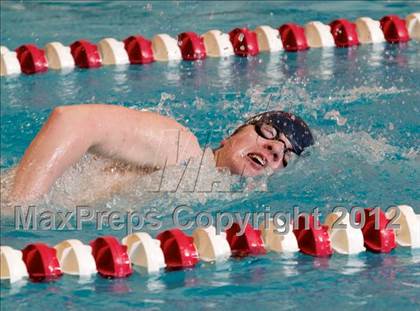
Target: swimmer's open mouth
(257,158)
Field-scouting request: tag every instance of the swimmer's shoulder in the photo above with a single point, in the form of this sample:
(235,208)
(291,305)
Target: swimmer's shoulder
(114,122)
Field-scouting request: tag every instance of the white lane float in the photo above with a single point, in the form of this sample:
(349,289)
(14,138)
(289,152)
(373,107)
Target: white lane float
(413,25)
(369,30)
(268,39)
(217,44)
(12,267)
(290,37)
(211,246)
(107,256)
(408,234)
(319,35)
(9,63)
(58,56)
(113,52)
(278,240)
(165,48)
(3,49)
(144,251)
(75,258)
(347,240)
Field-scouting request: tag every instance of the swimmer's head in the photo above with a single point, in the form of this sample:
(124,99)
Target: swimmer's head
(264,143)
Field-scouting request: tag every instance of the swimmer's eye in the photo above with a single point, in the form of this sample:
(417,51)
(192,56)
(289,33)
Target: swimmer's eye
(287,153)
(286,157)
(268,131)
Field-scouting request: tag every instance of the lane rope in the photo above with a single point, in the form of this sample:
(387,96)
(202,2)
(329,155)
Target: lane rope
(173,249)
(189,46)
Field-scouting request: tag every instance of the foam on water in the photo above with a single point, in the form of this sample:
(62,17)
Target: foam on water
(356,144)
(99,182)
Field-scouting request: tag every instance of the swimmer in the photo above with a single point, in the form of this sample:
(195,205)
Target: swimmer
(151,141)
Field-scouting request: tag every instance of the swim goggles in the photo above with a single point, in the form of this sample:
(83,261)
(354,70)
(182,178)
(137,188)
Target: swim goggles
(268,131)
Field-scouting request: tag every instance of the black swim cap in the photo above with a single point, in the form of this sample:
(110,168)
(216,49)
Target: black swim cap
(293,127)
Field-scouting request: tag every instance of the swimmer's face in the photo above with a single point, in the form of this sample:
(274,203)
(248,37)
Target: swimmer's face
(250,154)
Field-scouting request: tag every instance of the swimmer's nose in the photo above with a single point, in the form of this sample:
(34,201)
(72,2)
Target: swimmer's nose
(276,149)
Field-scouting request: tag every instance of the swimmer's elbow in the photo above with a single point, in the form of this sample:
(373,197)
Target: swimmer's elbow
(59,122)
(59,110)
(68,117)
(70,111)
(70,124)
(58,114)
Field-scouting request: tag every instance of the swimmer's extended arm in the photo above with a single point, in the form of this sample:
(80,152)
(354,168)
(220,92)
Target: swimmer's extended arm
(139,137)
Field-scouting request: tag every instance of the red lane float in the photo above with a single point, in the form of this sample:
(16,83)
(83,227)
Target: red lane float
(31,59)
(111,257)
(314,239)
(394,28)
(41,262)
(191,46)
(178,249)
(85,54)
(244,42)
(139,50)
(293,37)
(249,243)
(378,237)
(344,33)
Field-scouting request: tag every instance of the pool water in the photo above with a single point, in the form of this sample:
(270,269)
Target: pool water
(362,104)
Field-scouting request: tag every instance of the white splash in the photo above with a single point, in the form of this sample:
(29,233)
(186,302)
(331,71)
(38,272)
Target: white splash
(360,144)
(336,116)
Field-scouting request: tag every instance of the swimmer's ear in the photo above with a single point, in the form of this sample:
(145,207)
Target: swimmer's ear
(223,142)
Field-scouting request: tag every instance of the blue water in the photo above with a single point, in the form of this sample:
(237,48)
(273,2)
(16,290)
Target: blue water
(362,103)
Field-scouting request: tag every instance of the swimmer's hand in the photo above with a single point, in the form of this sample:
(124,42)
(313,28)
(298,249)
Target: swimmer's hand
(141,138)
